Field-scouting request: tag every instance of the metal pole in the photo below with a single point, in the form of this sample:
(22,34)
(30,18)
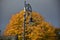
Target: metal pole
(24,27)
(24,19)
(25,10)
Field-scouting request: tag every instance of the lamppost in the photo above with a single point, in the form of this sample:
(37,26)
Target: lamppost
(27,10)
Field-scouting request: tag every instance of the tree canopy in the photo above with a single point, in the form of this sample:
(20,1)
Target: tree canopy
(39,29)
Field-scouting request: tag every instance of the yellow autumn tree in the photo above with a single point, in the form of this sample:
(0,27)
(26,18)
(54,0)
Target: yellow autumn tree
(39,29)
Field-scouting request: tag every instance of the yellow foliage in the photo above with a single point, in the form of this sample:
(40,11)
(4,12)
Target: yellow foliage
(36,31)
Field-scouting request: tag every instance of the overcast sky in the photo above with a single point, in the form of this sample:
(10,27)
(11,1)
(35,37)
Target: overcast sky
(49,9)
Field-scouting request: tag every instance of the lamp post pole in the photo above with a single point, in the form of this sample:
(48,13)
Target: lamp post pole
(24,20)
(27,7)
